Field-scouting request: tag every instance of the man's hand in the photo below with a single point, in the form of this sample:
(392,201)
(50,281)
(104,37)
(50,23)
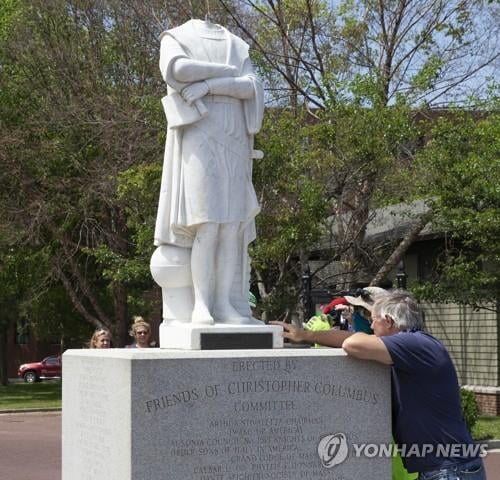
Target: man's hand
(194,92)
(328,338)
(293,333)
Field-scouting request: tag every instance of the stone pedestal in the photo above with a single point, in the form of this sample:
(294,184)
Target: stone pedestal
(220,337)
(223,415)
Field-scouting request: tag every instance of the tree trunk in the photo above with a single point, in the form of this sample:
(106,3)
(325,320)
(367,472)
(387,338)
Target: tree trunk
(121,325)
(401,249)
(4,377)
(354,230)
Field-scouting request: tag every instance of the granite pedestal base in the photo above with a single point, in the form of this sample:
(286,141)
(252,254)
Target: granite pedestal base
(155,414)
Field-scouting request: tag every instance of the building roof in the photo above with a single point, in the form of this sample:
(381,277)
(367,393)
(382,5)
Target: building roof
(394,221)
(385,224)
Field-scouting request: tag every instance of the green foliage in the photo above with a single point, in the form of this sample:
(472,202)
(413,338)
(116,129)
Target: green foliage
(82,135)
(138,189)
(293,204)
(459,171)
(81,108)
(11,279)
(137,192)
(10,12)
(292,199)
(312,171)
(28,296)
(51,317)
(426,78)
(470,408)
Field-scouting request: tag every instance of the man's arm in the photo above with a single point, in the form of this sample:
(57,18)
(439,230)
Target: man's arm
(367,347)
(328,338)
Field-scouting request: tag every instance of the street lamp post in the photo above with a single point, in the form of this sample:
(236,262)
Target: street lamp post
(401,276)
(306,287)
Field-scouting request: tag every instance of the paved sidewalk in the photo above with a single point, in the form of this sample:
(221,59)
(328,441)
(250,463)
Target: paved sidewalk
(30,448)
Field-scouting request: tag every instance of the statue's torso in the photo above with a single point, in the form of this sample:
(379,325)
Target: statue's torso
(214,42)
(215,183)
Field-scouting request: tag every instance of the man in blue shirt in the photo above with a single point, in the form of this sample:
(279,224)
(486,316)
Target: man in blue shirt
(428,424)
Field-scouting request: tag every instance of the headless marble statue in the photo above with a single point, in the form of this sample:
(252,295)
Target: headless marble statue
(207,202)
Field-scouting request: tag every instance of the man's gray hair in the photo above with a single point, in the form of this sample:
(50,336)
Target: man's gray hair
(402,308)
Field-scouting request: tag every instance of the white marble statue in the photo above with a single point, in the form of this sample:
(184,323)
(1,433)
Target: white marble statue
(207,203)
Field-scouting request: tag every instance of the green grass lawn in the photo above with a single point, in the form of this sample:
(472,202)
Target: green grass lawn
(486,428)
(19,396)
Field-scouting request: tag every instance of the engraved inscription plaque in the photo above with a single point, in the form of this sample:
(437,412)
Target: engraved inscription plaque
(232,341)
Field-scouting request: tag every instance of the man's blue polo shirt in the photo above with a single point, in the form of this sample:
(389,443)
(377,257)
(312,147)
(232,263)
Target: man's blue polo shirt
(426,402)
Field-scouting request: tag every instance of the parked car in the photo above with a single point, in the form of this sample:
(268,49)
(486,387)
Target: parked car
(49,367)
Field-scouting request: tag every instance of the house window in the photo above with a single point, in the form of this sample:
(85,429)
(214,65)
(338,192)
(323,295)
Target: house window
(428,260)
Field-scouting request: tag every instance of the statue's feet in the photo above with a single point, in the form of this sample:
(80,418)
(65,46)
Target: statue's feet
(226,313)
(201,316)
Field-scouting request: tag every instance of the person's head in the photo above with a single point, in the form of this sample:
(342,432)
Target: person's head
(363,303)
(100,339)
(396,312)
(141,331)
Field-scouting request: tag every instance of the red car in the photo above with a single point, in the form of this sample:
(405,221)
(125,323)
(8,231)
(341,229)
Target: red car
(49,367)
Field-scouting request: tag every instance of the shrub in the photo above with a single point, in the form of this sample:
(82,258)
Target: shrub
(470,407)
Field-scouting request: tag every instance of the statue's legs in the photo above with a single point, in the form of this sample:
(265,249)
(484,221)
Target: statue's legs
(225,267)
(214,258)
(202,269)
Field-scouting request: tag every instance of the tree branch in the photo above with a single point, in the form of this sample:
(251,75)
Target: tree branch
(75,300)
(276,66)
(401,249)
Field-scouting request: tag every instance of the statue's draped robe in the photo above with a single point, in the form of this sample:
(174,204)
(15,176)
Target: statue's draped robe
(207,170)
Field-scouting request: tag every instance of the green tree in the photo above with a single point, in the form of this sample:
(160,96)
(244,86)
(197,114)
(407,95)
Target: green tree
(81,107)
(459,172)
(293,206)
(424,50)
(358,68)
(82,131)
